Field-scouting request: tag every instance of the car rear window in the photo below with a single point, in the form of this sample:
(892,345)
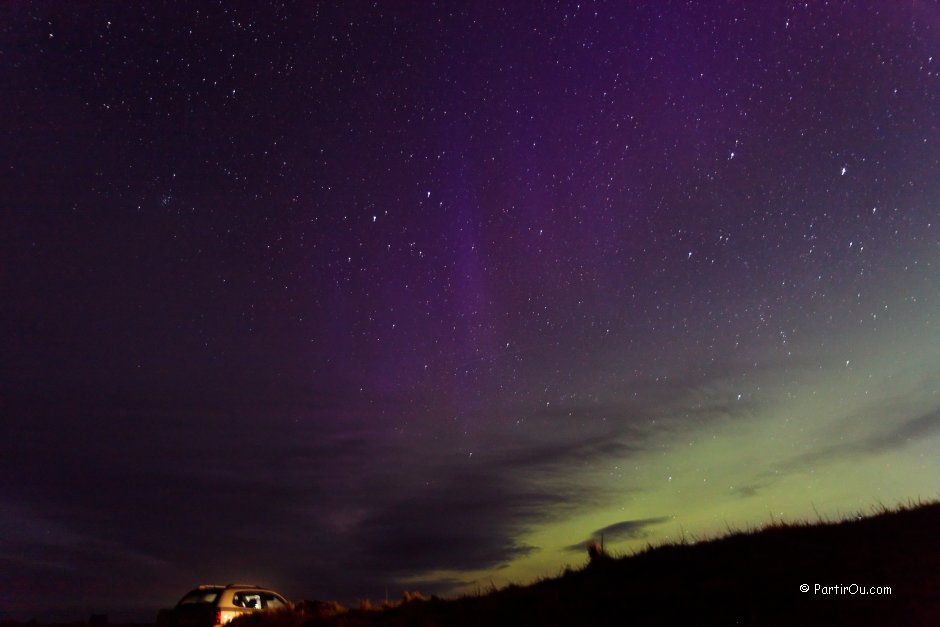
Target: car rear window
(250,599)
(272,601)
(199,596)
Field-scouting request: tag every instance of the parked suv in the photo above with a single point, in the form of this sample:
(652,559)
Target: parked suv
(212,606)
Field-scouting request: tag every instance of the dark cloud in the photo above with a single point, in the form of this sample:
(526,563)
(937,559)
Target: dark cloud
(623,530)
(903,434)
(472,518)
(343,504)
(350,508)
(466,525)
(893,434)
(749,490)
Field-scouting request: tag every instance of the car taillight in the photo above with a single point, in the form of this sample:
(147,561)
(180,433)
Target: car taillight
(218,617)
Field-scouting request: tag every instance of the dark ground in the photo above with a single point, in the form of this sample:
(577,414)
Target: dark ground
(751,578)
(743,579)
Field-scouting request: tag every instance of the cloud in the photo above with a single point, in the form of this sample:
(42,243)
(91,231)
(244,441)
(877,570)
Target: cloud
(470,516)
(466,525)
(623,530)
(470,513)
(923,426)
(896,435)
(316,491)
(749,490)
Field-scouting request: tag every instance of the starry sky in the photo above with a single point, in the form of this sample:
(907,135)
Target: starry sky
(347,297)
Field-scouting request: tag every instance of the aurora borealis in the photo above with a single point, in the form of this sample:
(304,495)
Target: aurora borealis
(347,297)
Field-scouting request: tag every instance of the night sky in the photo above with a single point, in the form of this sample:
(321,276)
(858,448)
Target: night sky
(344,297)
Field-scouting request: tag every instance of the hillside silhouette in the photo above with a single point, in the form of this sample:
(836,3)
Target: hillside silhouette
(745,578)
